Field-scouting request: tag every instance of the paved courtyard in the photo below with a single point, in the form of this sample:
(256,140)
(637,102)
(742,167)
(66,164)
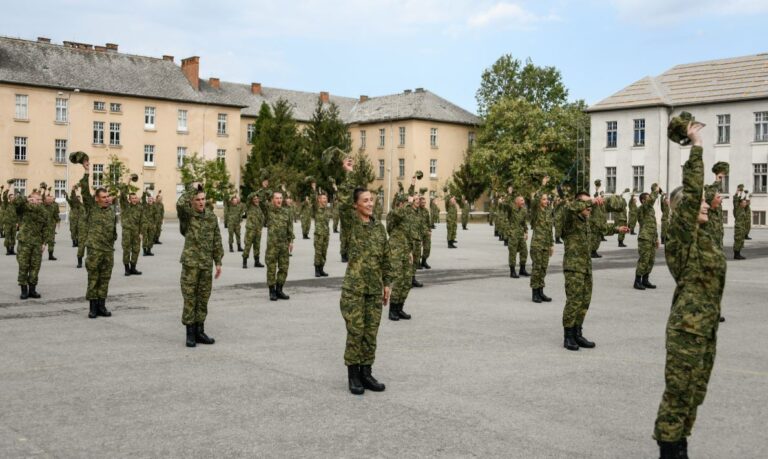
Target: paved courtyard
(479,371)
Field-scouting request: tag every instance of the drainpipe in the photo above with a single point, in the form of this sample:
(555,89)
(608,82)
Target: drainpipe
(670,110)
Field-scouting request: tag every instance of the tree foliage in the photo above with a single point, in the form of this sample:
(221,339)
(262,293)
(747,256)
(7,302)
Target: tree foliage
(212,173)
(362,173)
(326,130)
(467,181)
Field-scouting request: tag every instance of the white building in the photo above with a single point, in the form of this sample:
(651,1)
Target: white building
(629,145)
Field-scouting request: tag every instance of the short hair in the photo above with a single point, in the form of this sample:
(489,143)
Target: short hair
(582,193)
(356,194)
(100,190)
(643,196)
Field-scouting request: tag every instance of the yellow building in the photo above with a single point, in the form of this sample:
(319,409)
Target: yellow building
(151,112)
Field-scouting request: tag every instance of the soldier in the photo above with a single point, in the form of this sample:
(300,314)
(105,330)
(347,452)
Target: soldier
(254,222)
(450,220)
(279,245)
(620,214)
(322,218)
(378,207)
(75,210)
(648,239)
(265,194)
(698,267)
(306,217)
(518,235)
(664,217)
(434,212)
(598,220)
(101,235)
(741,216)
(748,211)
(52,208)
(202,248)
(10,220)
(34,220)
(400,255)
(500,219)
(159,214)
(82,231)
(541,242)
(426,235)
(132,218)
(366,286)
(149,224)
(234,216)
(465,209)
(416,230)
(714,198)
(577,267)
(335,213)
(559,215)
(632,214)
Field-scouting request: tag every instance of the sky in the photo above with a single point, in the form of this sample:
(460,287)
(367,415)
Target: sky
(351,48)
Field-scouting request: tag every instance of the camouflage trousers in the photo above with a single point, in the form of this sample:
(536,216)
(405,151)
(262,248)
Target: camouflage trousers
(306,223)
(451,227)
(277,258)
(73,227)
(664,228)
(335,219)
(50,237)
(99,265)
(689,364)
(540,260)
(148,237)
(632,223)
(464,220)
(196,290)
(29,258)
(416,252)
(344,239)
(252,239)
(158,230)
(597,238)
(131,244)
(578,295)
(739,235)
(517,245)
(10,235)
(647,251)
(82,231)
(426,246)
(234,233)
(402,270)
(321,248)
(362,315)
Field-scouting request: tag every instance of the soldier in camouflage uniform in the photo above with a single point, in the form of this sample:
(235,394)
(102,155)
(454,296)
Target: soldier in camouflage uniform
(159,215)
(100,240)
(450,220)
(426,235)
(577,267)
(517,236)
(541,242)
(279,245)
(132,218)
(265,195)
(664,217)
(305,214)
(632,213)
(378,207)
(234,216)
(322,216)
(500,218)
(714,198)
(416,229)
(434,212)
(82,231)
(9,222)
(559,215)
(335,214)
(465,209)
(75,211)
(202,248)
(740,221)
(400,255)
(149,224)
(598,220)
(34,220)
(254,222)
(698,267)
(52,208)
(620,215)
(647,239)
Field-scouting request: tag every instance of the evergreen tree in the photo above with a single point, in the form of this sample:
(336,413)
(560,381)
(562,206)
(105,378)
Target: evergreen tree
(326,130)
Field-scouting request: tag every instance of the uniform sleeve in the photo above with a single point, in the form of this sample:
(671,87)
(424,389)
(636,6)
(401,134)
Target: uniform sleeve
(85,191)
(693,185)
(291,236)
(183,209)
(386,264)
(218,248)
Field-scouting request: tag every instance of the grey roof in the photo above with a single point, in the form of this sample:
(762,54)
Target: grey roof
(724,80)
(419,104)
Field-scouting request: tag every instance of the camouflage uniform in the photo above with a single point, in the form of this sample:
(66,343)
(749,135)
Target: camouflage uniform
(620,216)
(322,234)
(465,209)
(33,233)
(518,230)
(132,220)
(335,216)
(664,218)
(159,214)
(450,218)
(53,220)
(75,212)
(378,209)
(715,221)
(646,239)
(306,218)
(740,229)
(698,267)
(100,240)
(10,221)
(279,236)
(500,218)
(148,234)
(426,236)
(416,224)
(632,214)
(399,231)
(254,222)
(265,194)
(202,249)
(559,216)
(598,221)
(541,241)
(234,218)
(434,212)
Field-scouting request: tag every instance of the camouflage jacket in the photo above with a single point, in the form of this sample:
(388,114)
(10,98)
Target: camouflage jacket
(397,227)
(695,261)
(234,213)
(715,222)
(34,221)
(369,269)
(280,225)
(517,224)
(646,217)
(132,216)
(101,225)
(541,223)
(202,237)
(75,206)
(425,224)
(322,217)
(254,217)
(450,210)
(53,215)
(577,237)
(415,223)
(632,209)
(465,211)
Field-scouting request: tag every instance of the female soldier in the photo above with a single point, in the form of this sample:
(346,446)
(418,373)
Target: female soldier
(366,284)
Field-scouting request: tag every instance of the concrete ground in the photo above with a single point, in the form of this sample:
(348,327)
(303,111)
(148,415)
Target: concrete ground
(479,371)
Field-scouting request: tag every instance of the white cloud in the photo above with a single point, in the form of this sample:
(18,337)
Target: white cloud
(509,14)
(665,12)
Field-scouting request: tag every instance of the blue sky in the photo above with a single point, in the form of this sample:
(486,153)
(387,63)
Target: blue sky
(385,46)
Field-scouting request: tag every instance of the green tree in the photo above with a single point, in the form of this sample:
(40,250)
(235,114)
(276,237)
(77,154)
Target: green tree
(362,172)
(251,173)
(467,181)
(326,130)
(117,175)
(212,173)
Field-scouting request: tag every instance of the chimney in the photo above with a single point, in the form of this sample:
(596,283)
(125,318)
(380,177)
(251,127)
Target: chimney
(166,57)
(407,91)
(191,69)
(363,98)
(256,88)
(324,97)
(101,49)
(214,82)
(112,47)
(419,90)
(43,40)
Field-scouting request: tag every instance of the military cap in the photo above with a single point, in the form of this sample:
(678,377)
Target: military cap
(721,167)
(677,131)
(626,190)
(419,175)
(740,187)
(43,186)
(710,191)
(400,197)
(598,182)
(11,181)
(134,178)
(423,190)
(78,157)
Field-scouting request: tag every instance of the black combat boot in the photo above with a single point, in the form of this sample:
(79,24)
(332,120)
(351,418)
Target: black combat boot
(101,308)
(622,244)
(569,342)
(157,241)
(424,263)
(245,263)
(512,273)
(451,246)
(272,293)
(737,255)
(51,257)
(322,271)
(24,292)
(344,258)
(632,232)
(647,283)
(639,283)
(280,294)
(33,291)
(369,382)
(304,236)
(722,319)
(672,450)
(415,283)
(134,271)
(535,296)
(257,263)
(402,314)
(594,254)
(419,267)
(79,262)
(239,247)
(200,336)
(393,315)
(149,253)
(506,242)
(353,375)
(558,240)
(74,242)
(523,272)
(747,238)
(10,251)
(191,334)
(317,271)
(543,296)
(92,312)
(230,248)
(127,269)
(581,341)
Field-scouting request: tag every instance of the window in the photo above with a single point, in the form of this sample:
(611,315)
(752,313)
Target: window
(725,217)
(149,117)
(761,127)
(433,137)
(99,106)
(401,167)
(115,107)
(471,139)
(20,186)
(382,136)
(758,217)
(22,107)
(182,121)
(638,178)
(98,175)
(250,132)
(221,128)
(761,178)
(148,187)
(98,132)
(723,129)
(221,155)
(114,133)
(62,109)
(612,134)
(149,155)
(60,151)
(610,180)
(381,168)
(725,187)
(181,152)
(179,190)
(402,136)
(639,133)
(433,168)
(19,148)
(362,139)
(60,190)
